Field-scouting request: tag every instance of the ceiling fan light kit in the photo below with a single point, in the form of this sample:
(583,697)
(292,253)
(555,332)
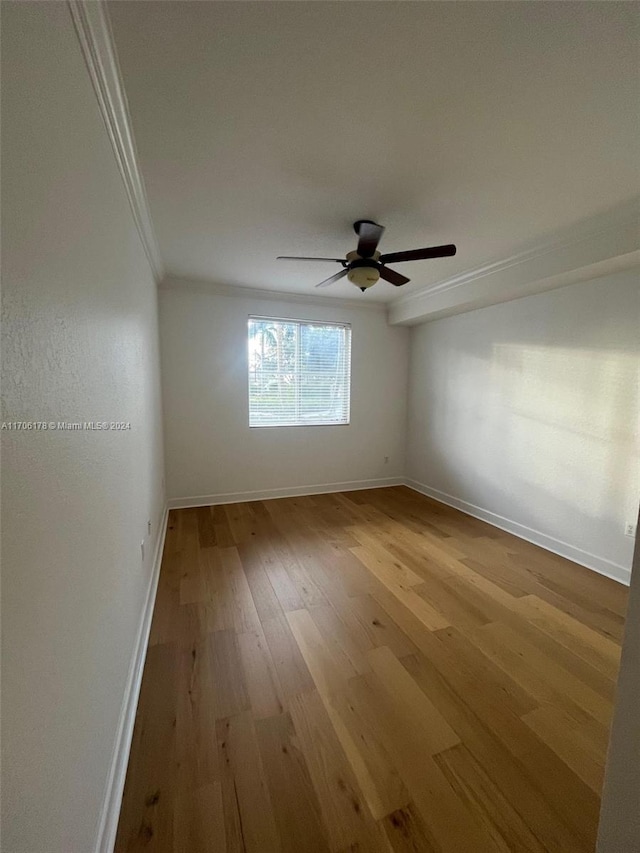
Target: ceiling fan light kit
(364,266)
(361,271)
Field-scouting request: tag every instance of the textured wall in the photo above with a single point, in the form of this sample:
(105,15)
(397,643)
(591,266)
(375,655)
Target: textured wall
(529,409)
(619,830)
(209,447)
(79,344)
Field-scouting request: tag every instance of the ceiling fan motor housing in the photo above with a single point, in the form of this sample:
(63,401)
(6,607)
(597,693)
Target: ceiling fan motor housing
(363,272)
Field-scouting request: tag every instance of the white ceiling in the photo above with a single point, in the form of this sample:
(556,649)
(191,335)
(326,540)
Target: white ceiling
(266,128)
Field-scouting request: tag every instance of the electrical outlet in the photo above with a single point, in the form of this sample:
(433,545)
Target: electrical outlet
(630,529)
(142,550)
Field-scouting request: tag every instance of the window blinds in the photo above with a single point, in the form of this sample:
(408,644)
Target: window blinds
(299,372)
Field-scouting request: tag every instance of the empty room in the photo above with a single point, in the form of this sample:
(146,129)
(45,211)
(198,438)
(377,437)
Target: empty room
(320,426)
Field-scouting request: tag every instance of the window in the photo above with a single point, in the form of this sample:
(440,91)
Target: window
(299,372)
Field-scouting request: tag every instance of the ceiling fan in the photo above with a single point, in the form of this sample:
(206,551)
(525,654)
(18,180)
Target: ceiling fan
(366,265)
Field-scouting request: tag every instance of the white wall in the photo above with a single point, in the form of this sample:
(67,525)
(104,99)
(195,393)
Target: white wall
(529,410)
(209,447)
(619,828)
(79,343)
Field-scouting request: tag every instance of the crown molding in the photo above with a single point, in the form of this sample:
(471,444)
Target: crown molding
(176,282)
(96,41)
(596,247)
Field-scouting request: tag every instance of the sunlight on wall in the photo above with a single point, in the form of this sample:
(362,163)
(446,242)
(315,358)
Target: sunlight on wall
(530,410)
(570,422)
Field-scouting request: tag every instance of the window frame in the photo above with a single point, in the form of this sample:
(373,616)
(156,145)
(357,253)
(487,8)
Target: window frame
(302,322)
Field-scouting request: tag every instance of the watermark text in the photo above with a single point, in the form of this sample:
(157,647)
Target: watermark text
(64,426)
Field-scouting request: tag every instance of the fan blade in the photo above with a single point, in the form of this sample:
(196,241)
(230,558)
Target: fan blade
(333,278)
(419,254)
(393,277)
(369,235)
(291,258)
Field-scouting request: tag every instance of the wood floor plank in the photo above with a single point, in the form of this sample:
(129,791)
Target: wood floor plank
(291,669)
(331,673)
(449,821)
(295,803)
(146,818)
(263,594)
(540,674)
(245,614)
(331,573)
(224,537)
(195,719)
(476,676)
(408,832)
(329,667)
(600,652)
(336,633)
(508,611)
(469,583)
(241,520)
(373,766)
(193,583)
(502,821)
(206,529)
(575,584)
(403,544)
(247,802)
(607,624)
(419,713)
(349,823)
(371,551)
(371,626)
(186,523)
(230,695)
(420,552)
(306,588)
(501,765)
(217,600)
(579,666)
(392,505)
(497,714)
(562,734)
(408,597)
(167,616)
(262,682)
(276,571)
(199,825)
(369,672)
(490,558)
(599,591)
(404,618)
(230,601)
(530,775)
(465,666)
(400,506)
(456,610)
(340,572)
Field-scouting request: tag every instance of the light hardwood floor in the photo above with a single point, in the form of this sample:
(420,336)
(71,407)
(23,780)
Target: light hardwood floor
(369,671)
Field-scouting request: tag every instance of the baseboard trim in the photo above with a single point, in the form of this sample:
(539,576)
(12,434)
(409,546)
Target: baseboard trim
(115,782)
(289,492)
(598,564)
